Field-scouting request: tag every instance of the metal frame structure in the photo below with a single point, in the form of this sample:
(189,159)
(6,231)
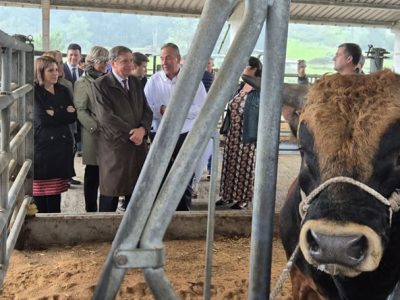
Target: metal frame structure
(16,105)
(138,242)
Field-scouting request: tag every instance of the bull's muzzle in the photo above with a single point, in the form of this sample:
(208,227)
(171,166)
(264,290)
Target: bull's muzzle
(340,249)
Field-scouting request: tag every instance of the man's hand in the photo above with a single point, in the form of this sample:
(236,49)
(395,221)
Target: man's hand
(70,109)
(162,109)
(50,112)
(136,135)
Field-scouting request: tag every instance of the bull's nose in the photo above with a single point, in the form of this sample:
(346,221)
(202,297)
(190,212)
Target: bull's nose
(346,250)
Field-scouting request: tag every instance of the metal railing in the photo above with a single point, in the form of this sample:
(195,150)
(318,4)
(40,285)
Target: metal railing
(16,105)
(138,242)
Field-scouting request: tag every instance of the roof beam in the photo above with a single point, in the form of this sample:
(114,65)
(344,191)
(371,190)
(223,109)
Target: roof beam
(352,4)
(333,21)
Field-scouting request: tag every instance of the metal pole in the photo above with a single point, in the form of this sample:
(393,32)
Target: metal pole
(215,12)
(267,149)
(45,25)
(5,148)
(221,90)
(212,198)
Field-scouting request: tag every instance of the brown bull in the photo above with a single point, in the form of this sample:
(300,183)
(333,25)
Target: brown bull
(342,208)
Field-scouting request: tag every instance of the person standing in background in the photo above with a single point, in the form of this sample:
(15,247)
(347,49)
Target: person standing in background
(124,119)
(159,90)
(238,165)
(53,159)
(96,65)
(71,73)
(346,58)
(139,69)
(301,72)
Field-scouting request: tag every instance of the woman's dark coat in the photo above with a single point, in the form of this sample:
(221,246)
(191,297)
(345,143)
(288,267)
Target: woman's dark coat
(53,146)
(120,160)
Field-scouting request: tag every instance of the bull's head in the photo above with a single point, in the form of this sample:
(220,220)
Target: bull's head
(349,127)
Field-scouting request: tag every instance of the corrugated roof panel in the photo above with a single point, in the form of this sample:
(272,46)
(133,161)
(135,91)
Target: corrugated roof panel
(372,12)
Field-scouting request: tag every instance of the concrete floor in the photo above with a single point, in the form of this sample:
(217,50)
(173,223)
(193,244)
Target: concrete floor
(74,225)
(288,167)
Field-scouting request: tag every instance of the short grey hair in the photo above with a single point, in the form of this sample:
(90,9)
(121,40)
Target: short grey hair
(172,46)
(96,55)
(117,51)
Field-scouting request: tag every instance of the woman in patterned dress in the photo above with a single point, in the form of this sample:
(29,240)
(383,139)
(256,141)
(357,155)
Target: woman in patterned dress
(237,178)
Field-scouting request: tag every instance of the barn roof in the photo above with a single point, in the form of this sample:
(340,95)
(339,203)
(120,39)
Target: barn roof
(380,13)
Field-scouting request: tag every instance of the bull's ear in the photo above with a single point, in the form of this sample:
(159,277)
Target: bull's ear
(292,117)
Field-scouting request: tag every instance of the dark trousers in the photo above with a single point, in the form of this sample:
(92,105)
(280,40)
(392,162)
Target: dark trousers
(110,203)
(90,187)
(186,201)
(48,204)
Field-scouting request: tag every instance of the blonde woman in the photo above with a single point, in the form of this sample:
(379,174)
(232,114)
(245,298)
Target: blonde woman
(95,67)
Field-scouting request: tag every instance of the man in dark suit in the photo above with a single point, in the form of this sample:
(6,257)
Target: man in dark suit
(124,119)
(72,72)
(71,68)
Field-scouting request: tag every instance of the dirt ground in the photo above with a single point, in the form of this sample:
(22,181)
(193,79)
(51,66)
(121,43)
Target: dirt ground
(73,272)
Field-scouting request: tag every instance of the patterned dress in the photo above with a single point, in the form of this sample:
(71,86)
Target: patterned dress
(237,178)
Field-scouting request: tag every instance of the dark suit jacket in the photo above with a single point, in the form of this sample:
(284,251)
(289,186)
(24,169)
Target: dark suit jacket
(68,75)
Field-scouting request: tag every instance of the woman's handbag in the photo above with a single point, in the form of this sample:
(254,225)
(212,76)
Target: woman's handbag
(250,117)
(226,123)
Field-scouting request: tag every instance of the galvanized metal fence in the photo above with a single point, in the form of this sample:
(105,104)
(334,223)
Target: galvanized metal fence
(16,105)
(138,242)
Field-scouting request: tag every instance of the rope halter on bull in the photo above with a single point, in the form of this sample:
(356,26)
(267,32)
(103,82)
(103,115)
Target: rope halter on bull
(393,202)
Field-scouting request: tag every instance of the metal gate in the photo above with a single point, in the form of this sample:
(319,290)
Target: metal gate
(138,242)
(16,105)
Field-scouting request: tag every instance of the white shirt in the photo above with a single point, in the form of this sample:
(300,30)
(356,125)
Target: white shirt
(76,70)
(159,89)
(120,80)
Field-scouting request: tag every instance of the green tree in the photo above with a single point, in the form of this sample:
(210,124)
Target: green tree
(56,41)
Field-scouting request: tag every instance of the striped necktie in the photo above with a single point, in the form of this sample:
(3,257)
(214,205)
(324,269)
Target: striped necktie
(125,82)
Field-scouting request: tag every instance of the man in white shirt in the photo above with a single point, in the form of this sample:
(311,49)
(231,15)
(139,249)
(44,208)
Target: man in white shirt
(159,90)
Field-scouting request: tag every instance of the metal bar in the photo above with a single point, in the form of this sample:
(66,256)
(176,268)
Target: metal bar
(195,142)
(218,95)
(396,292)
(4,161)
(11,166)
(140,258)
(12,195)
(158,282)
(21,91)
(5,146)
(6,101)
(45,24)
(267,149)
(212,198)
(12,239)
(19,138)
(16,228)
(151,176)
(13,127)
(8,41)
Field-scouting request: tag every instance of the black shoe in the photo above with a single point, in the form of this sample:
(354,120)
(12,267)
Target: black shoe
(74,182)
(222,202)
(240,205)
